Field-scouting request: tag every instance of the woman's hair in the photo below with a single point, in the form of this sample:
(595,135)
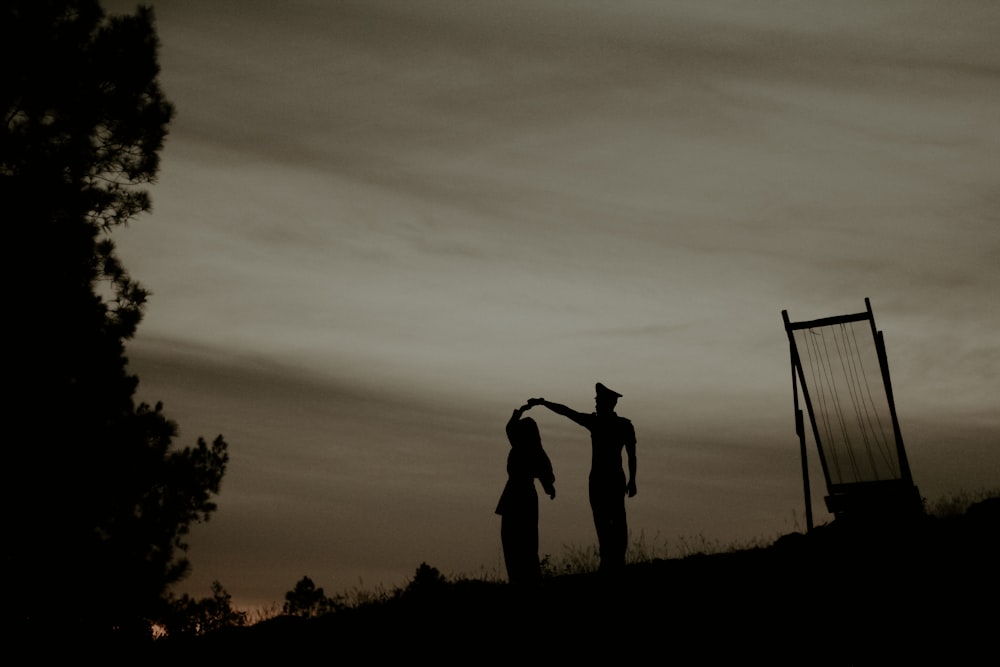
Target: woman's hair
(527,432)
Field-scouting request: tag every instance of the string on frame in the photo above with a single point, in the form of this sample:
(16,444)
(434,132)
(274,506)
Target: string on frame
(848,411)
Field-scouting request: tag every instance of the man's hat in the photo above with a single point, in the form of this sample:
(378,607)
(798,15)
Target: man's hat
(604,391)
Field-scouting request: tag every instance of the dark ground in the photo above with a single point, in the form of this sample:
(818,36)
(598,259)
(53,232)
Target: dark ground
(922,593)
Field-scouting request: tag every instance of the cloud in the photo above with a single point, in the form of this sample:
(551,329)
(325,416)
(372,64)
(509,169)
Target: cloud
(387,223)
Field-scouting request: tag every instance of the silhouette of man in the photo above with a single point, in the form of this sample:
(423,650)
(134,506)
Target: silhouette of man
(609,434)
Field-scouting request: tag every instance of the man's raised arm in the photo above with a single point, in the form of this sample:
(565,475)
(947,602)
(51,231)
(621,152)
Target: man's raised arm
(561,409)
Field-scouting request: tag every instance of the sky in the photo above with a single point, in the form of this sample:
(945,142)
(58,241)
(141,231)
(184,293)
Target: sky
(381,226)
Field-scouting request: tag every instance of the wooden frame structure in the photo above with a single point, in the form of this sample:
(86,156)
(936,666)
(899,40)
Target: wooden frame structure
(842,373)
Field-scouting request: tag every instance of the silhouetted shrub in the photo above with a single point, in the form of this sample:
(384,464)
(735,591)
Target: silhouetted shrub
(187,616)
(426,581)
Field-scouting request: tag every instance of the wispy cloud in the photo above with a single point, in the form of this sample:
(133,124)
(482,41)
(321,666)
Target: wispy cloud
(433,210)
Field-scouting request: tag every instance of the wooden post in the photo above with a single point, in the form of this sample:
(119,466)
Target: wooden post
(800,427)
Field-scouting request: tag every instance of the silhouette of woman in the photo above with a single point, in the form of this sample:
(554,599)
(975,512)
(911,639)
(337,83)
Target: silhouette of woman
(518,506)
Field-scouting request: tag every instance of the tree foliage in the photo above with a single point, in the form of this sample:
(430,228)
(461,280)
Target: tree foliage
(102,501)
(427,580)
(192,617)
(308,601)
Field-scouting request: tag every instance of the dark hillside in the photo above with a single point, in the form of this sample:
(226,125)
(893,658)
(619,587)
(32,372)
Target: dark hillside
(924,593)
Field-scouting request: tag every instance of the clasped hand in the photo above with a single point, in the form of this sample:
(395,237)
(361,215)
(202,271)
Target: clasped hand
(532,402)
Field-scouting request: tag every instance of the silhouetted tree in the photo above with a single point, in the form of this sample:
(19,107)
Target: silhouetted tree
(306,600)
(427,580)
(99,501)
(188,616)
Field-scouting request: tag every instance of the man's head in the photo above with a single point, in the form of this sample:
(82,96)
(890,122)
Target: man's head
(605,399)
